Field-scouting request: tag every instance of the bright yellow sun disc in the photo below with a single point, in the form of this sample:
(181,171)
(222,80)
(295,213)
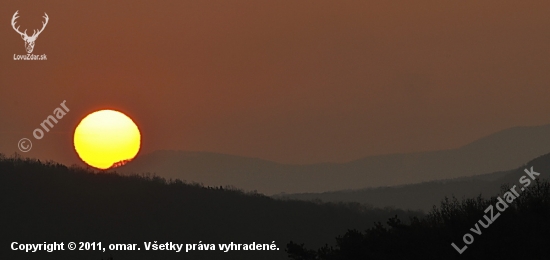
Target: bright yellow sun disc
(106,137)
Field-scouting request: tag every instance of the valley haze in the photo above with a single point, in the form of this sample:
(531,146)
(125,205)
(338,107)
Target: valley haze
(501,151)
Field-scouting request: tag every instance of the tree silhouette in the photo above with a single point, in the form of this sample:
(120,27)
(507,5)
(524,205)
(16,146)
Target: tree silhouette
(522,231)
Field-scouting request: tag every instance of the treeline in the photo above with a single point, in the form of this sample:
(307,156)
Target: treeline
(520,231)
(50,202)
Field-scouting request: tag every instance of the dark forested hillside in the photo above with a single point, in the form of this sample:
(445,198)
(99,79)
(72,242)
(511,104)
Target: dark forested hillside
(505,226)
(49,202)
(522,231)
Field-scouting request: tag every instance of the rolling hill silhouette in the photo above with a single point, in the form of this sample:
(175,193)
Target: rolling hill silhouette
(421,196)
(501,151)
(49,202)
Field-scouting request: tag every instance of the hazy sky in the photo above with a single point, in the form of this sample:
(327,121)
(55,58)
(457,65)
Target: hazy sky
(289,81)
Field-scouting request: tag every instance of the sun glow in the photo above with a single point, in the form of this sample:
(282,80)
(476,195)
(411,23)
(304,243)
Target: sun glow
(106,137)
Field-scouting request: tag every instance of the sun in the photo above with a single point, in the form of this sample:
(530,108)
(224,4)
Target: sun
(105,138)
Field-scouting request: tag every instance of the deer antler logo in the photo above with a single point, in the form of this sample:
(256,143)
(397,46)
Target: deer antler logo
(29,40)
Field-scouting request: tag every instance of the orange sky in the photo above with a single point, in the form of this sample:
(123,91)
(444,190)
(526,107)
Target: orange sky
(289,81)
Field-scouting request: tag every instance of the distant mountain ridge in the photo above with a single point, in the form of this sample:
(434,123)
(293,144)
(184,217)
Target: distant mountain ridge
(423,196)
(500,151)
